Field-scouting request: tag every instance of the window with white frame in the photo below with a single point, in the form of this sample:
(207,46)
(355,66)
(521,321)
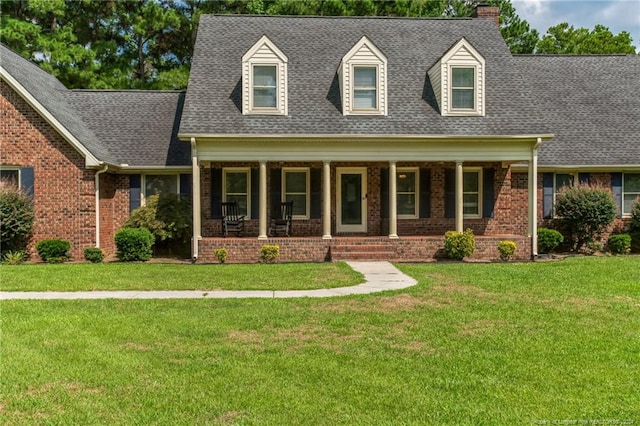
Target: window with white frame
(161,184)
(295,187)
(365,88)
(236,187)
(463,90)
(472,193)
(406,193)
(561,181)
(630,191)
(10,176)
(264,87)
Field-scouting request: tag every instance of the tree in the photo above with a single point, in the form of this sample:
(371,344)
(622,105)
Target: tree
(564,38)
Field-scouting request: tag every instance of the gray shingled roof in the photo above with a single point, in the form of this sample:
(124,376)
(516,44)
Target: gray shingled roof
(315,47)
(50,93)
(139,126)
(592,103)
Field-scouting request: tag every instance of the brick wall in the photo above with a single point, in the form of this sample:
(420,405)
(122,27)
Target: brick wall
(64,196)
(114,208)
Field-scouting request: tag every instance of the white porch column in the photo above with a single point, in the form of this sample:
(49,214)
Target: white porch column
(533,200)
(326,195)
(262,232)
(195,202)
(393,201)
(459,197)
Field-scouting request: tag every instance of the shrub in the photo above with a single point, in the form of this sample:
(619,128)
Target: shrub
(221,254)
(16,217)
(634,226)
(167,216)
(93,255)
(585,211)
(134,244)
(548,240)
(459,245)
(14,257)
(269,253)
(619,243)
(507,249)
(53,251)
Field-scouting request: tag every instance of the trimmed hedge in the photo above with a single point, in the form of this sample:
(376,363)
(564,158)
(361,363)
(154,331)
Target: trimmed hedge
(459,245)
(93,255)
(619,243)
(54,250)
(134,244)
(548,240)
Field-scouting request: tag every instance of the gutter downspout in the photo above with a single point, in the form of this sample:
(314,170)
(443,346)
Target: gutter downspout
(97,187)
(195,201)
(533,199)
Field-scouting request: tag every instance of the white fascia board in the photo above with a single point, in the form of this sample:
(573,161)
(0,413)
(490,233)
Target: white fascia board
(479,138)
(90,159)
(580,168)
(264,40)
(126,169)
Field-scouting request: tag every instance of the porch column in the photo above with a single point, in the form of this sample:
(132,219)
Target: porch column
(195,202)
(393,201)
(533,200)
(326,195)
(262,231)
(459,197)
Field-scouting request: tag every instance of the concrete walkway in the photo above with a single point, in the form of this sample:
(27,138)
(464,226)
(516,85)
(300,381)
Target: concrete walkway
(379,276)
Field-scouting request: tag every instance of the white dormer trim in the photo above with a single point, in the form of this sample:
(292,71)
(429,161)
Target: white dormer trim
(364,54)
(461,55)
(264,53)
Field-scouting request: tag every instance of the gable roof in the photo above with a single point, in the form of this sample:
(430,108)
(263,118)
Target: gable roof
(592,103)
(315,47)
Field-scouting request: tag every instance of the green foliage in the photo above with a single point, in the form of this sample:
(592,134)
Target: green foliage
(14,257)
(167,216)
(585,211)
(548,240)
(459,245)
(565,39)
(269,253)
(16,217)
(221,254)
(507,249)
(619,243)
(134,244)
(53,250)
(634,227)
(93,254)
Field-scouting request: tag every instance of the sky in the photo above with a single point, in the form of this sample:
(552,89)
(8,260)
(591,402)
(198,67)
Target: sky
(617,15)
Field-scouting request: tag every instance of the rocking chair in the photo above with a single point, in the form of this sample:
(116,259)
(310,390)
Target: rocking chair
(282,223)
(232,221)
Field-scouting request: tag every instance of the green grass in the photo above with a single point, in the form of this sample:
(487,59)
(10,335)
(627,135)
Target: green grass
(158,276)
(471,344)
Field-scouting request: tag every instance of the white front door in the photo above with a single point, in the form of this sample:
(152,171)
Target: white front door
(351,199)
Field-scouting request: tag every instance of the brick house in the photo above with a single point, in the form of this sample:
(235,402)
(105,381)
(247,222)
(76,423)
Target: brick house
(385,132)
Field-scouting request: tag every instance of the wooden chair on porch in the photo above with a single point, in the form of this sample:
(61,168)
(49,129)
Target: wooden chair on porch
(232,220)
(281,223)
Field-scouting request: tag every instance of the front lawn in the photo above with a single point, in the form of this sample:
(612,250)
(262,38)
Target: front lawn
(166,276)
(471,344)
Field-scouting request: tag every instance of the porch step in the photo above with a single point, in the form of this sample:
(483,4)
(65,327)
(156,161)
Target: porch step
(342,252)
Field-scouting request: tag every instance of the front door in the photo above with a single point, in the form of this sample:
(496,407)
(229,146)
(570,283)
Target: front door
(352,199)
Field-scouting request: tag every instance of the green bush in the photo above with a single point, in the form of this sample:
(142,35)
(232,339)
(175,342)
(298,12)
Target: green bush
(586,212)
(507,249)
(16,218)
(14,257)
(548,240)
(134,244)
(619,243)
(54,250)
(269,253)
(459,245)
(634,227)
(93,255)
(167,216)
(221,253)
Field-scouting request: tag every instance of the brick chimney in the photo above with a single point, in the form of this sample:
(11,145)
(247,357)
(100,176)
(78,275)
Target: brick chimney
(485,11)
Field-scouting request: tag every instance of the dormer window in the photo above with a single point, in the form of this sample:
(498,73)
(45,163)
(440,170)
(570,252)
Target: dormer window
(264,79)
(458,81)
(363,80)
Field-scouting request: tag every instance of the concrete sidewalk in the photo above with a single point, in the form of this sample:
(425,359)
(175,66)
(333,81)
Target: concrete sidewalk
(379,276)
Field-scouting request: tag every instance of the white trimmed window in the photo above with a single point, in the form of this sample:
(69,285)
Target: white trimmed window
(463,91)
(472,193)
(161,184)
(561,181)
(407,193)
(630,191)
(236,186)
(10,176)
(264,79)
(363,80)
(296,188)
